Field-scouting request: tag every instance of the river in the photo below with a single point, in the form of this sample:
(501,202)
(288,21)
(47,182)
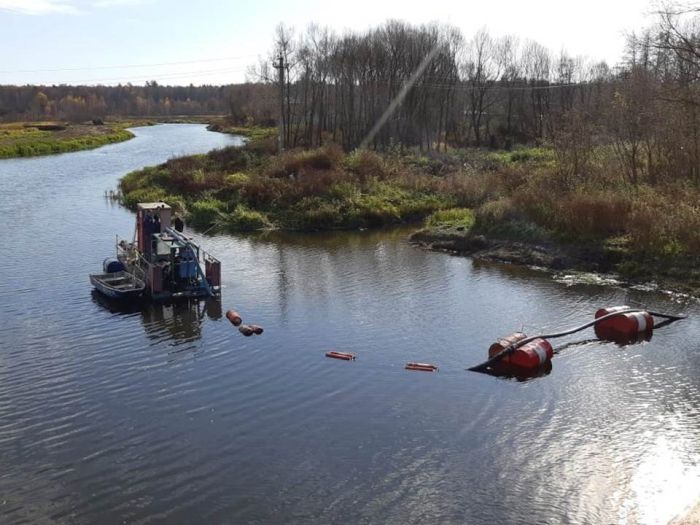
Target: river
(166,414)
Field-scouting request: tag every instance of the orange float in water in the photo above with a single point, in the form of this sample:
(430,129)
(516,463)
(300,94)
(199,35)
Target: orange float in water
(530,356)
(502,344)
(345,356)
(246,330)
(624,328)
(521,374)
(422,367)
(527,357)
(234,317)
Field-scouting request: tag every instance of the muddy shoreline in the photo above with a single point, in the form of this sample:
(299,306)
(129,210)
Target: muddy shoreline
(551,255)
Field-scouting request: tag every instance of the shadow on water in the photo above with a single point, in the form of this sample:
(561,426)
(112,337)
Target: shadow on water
(506,371)
(182,320)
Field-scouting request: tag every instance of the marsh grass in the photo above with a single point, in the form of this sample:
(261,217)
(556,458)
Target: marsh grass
(516,195)
(33,139)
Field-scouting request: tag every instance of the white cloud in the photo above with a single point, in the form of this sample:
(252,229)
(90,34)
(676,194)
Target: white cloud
(113,3)
(46,7)
(38,7)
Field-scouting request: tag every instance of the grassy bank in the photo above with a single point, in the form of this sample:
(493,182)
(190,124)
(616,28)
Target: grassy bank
(642,233)
(251,132)
(29,139)
(523,196)
(250,188)
(46,138)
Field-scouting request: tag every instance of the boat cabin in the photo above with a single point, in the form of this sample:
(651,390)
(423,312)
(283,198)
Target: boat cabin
(170,263)
(152,218)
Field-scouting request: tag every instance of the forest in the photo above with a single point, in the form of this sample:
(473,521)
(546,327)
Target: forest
(81,103)
(447,91)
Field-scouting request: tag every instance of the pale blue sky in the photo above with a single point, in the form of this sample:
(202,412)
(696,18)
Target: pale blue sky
(87,39)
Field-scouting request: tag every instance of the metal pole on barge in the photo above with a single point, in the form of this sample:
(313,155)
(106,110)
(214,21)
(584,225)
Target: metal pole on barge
(177,235)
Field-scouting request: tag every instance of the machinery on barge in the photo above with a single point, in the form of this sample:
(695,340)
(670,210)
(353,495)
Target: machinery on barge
(168,263)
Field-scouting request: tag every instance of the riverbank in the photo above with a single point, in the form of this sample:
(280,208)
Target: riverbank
(30,139)
(222,125)
(518,206)
(612,259)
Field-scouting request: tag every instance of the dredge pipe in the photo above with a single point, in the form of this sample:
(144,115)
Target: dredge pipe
(510,349)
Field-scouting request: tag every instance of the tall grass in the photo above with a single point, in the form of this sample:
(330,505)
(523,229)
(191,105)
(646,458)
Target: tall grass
(516,195)
(21,141)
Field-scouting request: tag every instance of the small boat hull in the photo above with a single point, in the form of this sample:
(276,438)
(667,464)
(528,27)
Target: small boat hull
(118,285)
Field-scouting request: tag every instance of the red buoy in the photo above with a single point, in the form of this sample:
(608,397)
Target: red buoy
(234,317)
(532,355)
(501,369)
(422,367)
(257,330)
(345,356)
(624,328)
(505,342)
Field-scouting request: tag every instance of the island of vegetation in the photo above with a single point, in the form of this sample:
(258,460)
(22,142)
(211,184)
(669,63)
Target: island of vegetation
(29,139)
(42,120)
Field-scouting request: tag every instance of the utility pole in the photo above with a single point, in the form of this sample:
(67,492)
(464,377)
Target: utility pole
(280,66)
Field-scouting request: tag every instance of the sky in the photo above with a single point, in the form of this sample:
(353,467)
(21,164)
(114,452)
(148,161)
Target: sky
(214,41)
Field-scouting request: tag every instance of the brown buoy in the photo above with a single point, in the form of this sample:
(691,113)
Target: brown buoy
(234,317)
(421,367)
(246,330)
(345,356)
(257,330)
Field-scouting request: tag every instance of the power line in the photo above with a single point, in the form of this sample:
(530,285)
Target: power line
(181,74)
(126,66)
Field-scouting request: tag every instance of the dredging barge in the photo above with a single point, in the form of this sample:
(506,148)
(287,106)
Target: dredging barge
(169,263)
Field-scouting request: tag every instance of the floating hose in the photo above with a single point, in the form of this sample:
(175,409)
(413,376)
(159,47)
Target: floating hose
(510,349)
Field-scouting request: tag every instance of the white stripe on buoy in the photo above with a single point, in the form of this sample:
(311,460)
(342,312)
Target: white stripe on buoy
(641,322)
(541,352)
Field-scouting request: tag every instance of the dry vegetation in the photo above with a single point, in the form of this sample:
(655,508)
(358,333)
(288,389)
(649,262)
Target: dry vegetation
(606,159)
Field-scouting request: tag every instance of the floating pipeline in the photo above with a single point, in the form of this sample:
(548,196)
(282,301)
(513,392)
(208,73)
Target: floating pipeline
(234,317)
(345,356)
(246,330)
(421,367)
(625,327)
(621,324)
(523,357)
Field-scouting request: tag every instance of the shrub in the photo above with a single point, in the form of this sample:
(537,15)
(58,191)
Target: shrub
(245,219)
(293,163)
(365,164)
(131,199)
(502,218)
(206,212)
(451,218)
(236,179)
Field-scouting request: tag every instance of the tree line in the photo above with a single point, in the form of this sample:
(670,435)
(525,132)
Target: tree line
(79,103)
(477,91)
(488,91)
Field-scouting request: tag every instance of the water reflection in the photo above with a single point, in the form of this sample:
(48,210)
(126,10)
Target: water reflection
(179,321)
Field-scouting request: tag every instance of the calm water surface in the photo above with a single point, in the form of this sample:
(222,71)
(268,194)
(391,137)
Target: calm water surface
(166,414)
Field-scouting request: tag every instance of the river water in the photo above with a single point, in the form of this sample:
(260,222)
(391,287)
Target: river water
(166,414)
